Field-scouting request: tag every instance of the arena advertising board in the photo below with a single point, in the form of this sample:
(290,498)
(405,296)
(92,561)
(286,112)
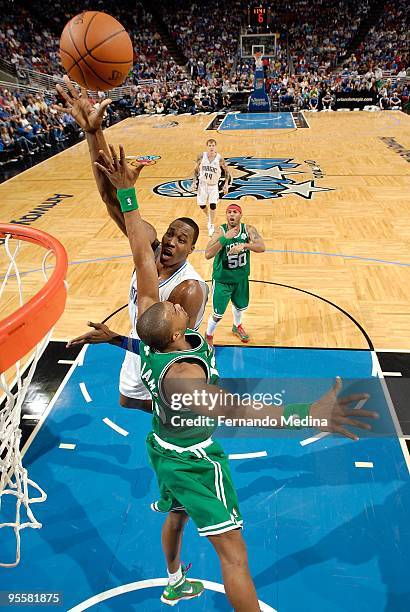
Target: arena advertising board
(355,99)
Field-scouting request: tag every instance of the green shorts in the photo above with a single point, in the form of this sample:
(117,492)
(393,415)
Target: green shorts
(198,481)
(237,293)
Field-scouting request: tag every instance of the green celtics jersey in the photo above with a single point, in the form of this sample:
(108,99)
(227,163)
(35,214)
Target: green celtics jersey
(232,268)
(170,415)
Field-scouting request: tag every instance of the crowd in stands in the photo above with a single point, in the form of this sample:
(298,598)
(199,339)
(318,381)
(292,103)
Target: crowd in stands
(206,34)
(30,124)
(23,42)
(182,97)
(387,44)
(299,77)
(28,45)
(151,57)
(319,33)
(314,92)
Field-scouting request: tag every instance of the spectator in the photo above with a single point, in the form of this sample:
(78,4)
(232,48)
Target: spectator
(384,102)
(395,101)
(327,101)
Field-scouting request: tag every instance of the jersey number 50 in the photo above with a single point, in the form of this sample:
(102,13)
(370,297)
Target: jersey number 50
(237,261)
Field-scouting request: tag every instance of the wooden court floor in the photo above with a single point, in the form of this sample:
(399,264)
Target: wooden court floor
(343,249)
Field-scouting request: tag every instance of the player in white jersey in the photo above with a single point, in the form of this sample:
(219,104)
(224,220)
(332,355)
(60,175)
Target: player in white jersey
(179,283)
(206,179)
(171,288)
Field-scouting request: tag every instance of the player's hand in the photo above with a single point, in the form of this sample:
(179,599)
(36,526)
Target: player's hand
(194,184)
(225,188)
(99,334)
(232,232)
(117,170)
(337,413)
(80,108)
(236,249)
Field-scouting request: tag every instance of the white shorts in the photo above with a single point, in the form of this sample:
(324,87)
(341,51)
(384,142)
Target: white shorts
(206,193)
(131,384)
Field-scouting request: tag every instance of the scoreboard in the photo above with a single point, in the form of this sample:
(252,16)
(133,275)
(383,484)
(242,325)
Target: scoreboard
(258,16)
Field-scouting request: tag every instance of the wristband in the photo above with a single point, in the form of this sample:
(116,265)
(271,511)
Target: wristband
(223,240)
(130,344)
(296,412)
(127,199)
(124,342)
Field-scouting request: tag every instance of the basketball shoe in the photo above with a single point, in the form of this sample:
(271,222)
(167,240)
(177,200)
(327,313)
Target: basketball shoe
(239,331)
(184,589)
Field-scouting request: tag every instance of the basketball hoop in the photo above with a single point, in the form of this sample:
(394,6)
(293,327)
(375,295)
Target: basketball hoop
(26,329)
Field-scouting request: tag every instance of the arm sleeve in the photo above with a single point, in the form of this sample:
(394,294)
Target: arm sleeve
(130,344)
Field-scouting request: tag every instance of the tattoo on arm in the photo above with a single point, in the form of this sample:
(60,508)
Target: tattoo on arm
(224,167)
(254,234)
(196,171)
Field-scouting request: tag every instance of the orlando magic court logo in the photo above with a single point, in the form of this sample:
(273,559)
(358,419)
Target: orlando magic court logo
(262,178)
(147,160)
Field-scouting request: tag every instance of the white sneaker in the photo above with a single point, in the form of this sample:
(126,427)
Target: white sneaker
(211,229)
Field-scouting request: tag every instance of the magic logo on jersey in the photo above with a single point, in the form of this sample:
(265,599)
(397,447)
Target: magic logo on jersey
(262,178)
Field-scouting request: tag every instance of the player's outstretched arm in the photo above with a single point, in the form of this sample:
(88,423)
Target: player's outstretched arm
(90,119)
(334,413)
(96,142)
(102,334)
(99,334)
(124,177)
(78,105)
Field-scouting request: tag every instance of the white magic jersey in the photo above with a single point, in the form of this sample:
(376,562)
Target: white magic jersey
(131,384)
(185,272)
(210,171)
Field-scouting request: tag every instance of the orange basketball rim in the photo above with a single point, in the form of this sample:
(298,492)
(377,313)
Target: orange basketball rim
(22,330)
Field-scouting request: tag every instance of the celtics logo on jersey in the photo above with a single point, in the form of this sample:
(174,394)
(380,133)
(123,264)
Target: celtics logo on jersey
(262,178)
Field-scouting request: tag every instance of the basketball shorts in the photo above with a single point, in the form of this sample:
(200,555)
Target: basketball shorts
(207,193)
(197,480)
(131,384)
(222,293)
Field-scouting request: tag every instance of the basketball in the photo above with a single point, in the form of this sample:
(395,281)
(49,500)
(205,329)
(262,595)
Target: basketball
(96,51)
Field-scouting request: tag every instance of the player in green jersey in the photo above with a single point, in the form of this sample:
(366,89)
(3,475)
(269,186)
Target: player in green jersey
(192,469)
(230,246)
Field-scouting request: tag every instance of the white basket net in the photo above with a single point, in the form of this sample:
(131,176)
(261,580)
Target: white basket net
(14,479)
(258,59)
